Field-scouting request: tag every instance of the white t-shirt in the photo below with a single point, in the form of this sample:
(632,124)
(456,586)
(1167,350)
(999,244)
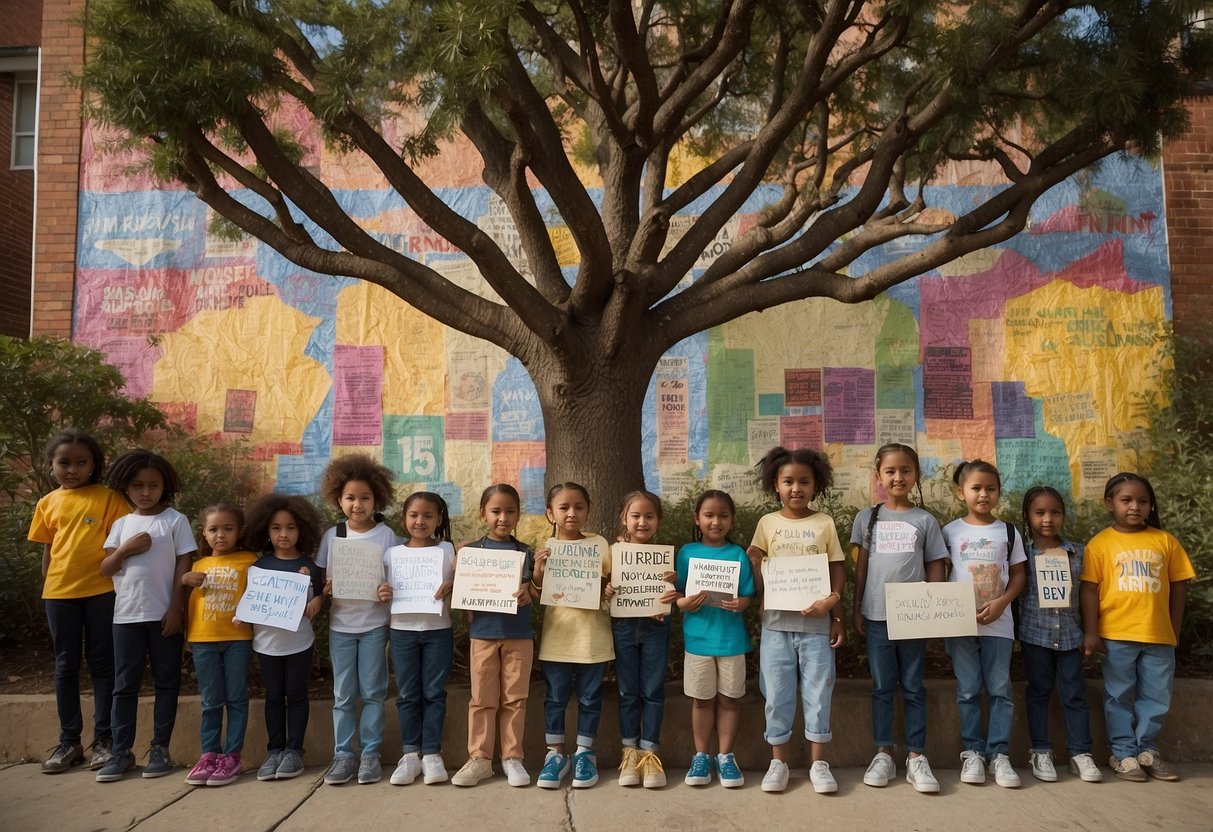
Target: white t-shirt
(144,585)
(350,615)
(979,557)
(419,621)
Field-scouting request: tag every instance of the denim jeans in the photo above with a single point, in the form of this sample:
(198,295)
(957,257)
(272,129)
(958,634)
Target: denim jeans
(891,663)
(1137,681)
(642,647)
(422,661)
(1048,668)
(286,705)
(359,669)
(562,679)
(785,660)
(983,663)
(133,645)
(91,620)
(222,668)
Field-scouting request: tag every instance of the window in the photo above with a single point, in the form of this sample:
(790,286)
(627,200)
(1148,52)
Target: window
(25,123)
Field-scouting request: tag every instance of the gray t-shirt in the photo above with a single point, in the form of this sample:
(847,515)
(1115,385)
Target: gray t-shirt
(904,542)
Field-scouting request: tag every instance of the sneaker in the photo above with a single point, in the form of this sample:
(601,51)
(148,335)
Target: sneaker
(63,756)
(700,772)
(433,769)
(158,762)
(880,771)
(821,778)
(629,774)
(102,749)
(515,772)
(369,769)
(406,770)
(227,770)
(1084,766)
(1156,767)
(291,765)
(728,772)
(972,768)
(1042,766)
(1128,769)
(1004,773)
(556,767)
(920,776)
(269,768)
(652,772)
(585,769)
(116,768)
(473,771)
(776,778)
(203,769)
(341,770)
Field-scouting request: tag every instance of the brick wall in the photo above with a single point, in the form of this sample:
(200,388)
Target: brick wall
(16,226)
(22,20)
(1188,180)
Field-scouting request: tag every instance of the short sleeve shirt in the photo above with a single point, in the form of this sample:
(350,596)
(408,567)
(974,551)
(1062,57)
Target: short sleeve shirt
(980,557)
(501,625)
(780,536)
(348,615)
(712,631)
(75,522)
(213,605)
(1134,571)
(275,641)
(577,635)
(144,585)
(902,545)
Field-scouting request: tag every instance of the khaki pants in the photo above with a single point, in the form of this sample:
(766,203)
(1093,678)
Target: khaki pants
(501,683)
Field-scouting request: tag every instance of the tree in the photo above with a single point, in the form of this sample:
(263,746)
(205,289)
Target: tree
(845,111)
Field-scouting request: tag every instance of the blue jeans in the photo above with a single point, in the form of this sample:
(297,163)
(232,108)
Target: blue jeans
(222,668)
(983,662)
(71,621)
(359,669)
(133,645)
(642,647)
(422,661)
(788,659)
(1137,680)
(1048,668)
(562,679)
(893,662)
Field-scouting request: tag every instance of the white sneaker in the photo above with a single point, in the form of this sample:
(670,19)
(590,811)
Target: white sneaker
(406,770)
(880,771)
(776,778)
(1004,772)
(1085,767)
(821,778)
(473,772)
(1042,766)
(515,772)
(972,767)
(919,775)
(433,769)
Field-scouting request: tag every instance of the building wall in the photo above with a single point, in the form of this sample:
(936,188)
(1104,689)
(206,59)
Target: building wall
(16,226)
(1188,180)
(21,23)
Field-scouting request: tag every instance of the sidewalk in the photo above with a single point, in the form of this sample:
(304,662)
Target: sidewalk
(74,802)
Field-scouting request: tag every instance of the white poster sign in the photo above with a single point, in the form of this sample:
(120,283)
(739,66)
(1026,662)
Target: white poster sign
(416,576)
(930,610)
(638,577)
(274,599)
(719,579)
(572,576)
(356,569)
(486,580)
(794,583)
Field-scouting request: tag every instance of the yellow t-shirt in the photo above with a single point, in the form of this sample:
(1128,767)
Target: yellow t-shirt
(1134,572)
(75,522)
(213,604)
(575,635)
(781,536)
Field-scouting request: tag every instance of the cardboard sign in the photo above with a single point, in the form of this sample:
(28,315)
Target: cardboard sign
(415,576)
(1054,583)
(930,610)
(719,579)
(486,580)
(794,583)
(572,576)
(274,599)
(356,569)
(637,574)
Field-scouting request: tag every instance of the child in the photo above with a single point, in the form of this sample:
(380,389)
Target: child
(146,554)
(985,555)
(574,649)
(1050,640)
(798,646)
(287,530)
(502,651)
(72,522)
(422,647)
(896,542)
(222,649)
(1133,596)
(715,639)
(358,629)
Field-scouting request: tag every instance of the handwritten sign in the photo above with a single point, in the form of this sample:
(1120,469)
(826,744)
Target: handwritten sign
(1054,583)
(719,579)
(930,610)
(273,598)
(573,575)
(356,569)
(416,576)
(637,575)
(794,583)
(486,580)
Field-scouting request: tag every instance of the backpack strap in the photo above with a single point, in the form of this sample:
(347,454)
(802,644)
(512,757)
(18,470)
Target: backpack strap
(1010,538)
(343,529)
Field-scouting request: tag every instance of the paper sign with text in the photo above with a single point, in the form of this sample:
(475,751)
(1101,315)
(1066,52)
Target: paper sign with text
(356,569)
(416,576)
(1054,583)
(794,583)
(573,575)
(486,580)
(637,572)
(273,599)
(930,610)
(719,579)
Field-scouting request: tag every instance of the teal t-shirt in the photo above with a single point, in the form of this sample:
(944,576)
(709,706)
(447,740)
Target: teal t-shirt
(713,631)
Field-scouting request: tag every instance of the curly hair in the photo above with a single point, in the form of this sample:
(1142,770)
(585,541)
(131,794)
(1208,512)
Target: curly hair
(75,436)
(124,469)
(361,467)
(262,511)
(204,546)
(779,456)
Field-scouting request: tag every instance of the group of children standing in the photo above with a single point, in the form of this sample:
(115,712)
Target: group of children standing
(120,575)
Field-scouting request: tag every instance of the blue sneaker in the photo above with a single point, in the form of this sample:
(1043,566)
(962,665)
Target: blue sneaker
(585,770)
(700,772)
(730,774)
(555,769)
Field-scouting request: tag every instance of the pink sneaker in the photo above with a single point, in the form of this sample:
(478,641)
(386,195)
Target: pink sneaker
(227,770)
(202,770)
